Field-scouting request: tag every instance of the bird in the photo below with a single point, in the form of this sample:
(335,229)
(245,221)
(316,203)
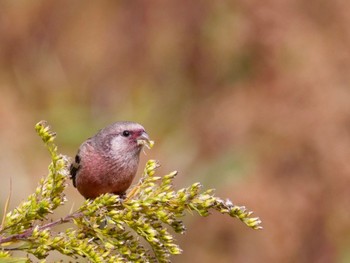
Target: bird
(108,161)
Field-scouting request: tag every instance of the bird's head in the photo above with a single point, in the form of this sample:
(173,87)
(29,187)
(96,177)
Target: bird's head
(124,138)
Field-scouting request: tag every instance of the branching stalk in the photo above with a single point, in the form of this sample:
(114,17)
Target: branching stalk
(107,229)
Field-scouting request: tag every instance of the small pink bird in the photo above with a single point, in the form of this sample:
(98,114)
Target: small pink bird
(108,161)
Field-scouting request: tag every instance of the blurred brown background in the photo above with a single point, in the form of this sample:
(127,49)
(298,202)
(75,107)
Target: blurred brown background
(248,97)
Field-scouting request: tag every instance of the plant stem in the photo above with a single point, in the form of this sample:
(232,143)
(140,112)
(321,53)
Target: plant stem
(29,231)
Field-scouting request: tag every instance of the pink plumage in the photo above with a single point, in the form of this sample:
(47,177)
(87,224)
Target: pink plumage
(108,161)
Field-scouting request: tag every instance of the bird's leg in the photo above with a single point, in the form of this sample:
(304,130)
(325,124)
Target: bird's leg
(121,195)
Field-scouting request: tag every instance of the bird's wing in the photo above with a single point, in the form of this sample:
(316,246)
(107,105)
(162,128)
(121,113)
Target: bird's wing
(75,165)
(74,168)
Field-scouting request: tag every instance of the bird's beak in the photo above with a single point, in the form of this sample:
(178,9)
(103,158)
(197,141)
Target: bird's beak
(143,139)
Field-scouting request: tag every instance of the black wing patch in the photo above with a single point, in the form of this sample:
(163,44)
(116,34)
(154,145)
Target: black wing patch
(74,168)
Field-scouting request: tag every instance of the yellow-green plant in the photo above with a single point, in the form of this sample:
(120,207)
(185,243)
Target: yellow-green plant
(107,229)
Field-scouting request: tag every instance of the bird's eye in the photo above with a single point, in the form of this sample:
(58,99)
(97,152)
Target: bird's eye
(126,133)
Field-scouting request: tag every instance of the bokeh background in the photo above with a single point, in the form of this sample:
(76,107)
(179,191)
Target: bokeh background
(250,98)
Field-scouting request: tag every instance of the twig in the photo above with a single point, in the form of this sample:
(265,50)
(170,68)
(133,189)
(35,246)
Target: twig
(29,231)
(6,207)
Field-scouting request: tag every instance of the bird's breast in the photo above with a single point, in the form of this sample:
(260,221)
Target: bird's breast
(99,174)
